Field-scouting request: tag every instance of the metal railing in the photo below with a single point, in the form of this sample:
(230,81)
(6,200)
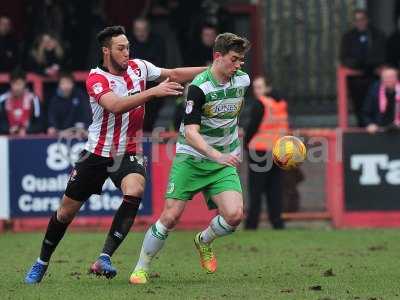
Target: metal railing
(38,81)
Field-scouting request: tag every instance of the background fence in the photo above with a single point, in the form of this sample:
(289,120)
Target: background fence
(301,48)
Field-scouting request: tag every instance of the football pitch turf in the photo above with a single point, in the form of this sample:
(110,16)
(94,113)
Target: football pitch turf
(291,264)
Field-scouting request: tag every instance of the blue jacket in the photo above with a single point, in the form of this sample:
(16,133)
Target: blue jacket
(67,112)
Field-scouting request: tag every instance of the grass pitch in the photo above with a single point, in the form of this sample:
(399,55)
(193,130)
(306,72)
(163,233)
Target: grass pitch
(291,264)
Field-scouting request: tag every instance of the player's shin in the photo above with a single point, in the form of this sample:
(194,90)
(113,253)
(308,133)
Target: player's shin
(122,223)
(54,234)
(218,227)
(153,242)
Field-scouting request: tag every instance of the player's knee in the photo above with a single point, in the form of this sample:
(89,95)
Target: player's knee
(169,219)
(234,217)
(65,215)
(134,190)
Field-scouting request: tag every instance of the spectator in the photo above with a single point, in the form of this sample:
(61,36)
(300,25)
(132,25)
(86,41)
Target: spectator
(148,46)
(9,52)
(47,55)
(181,15)
(161,15)
(68,108)
(269,120)
(393,47)
(20,110)
(382,105)
(363,49)
(97,19)
(145,44)
(201,53)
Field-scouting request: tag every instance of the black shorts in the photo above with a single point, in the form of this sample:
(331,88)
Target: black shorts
(91,171)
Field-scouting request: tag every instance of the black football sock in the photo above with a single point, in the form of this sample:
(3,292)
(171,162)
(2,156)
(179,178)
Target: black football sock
(54,234)
(122,223)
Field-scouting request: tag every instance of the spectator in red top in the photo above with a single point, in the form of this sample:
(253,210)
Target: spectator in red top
(20,109)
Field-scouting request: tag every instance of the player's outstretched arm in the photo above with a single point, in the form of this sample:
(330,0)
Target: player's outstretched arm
(181,74)
(117,105)
(194,139)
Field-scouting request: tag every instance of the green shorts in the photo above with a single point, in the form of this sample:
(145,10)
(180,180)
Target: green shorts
(190,175)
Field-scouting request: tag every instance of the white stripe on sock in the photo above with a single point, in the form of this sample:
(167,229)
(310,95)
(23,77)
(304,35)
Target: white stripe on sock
(42,262)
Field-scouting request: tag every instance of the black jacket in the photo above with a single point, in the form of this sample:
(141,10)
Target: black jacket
(198,55)
(50,59)
(153,50)
(66,112)
(363,56)
(9,53)
(393,50)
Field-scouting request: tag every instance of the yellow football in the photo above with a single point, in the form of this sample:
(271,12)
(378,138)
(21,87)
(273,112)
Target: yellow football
(289,152)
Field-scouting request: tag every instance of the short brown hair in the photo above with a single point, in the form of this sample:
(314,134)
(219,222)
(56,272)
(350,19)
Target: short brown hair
(227,41)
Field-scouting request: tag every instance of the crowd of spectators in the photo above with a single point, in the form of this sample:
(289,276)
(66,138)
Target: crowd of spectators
(167,33)
(374,88)
(61,38)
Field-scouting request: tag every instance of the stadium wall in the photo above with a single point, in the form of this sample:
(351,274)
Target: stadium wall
(32,185)
(357,176)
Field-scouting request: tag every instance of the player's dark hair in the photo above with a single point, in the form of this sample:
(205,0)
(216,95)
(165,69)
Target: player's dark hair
(104,37)
(17,74)
(227,41)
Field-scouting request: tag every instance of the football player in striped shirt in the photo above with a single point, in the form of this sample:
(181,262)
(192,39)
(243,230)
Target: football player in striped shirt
(117,91)
(208,152)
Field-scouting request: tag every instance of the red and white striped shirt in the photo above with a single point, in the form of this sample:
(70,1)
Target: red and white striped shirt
(115,134)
